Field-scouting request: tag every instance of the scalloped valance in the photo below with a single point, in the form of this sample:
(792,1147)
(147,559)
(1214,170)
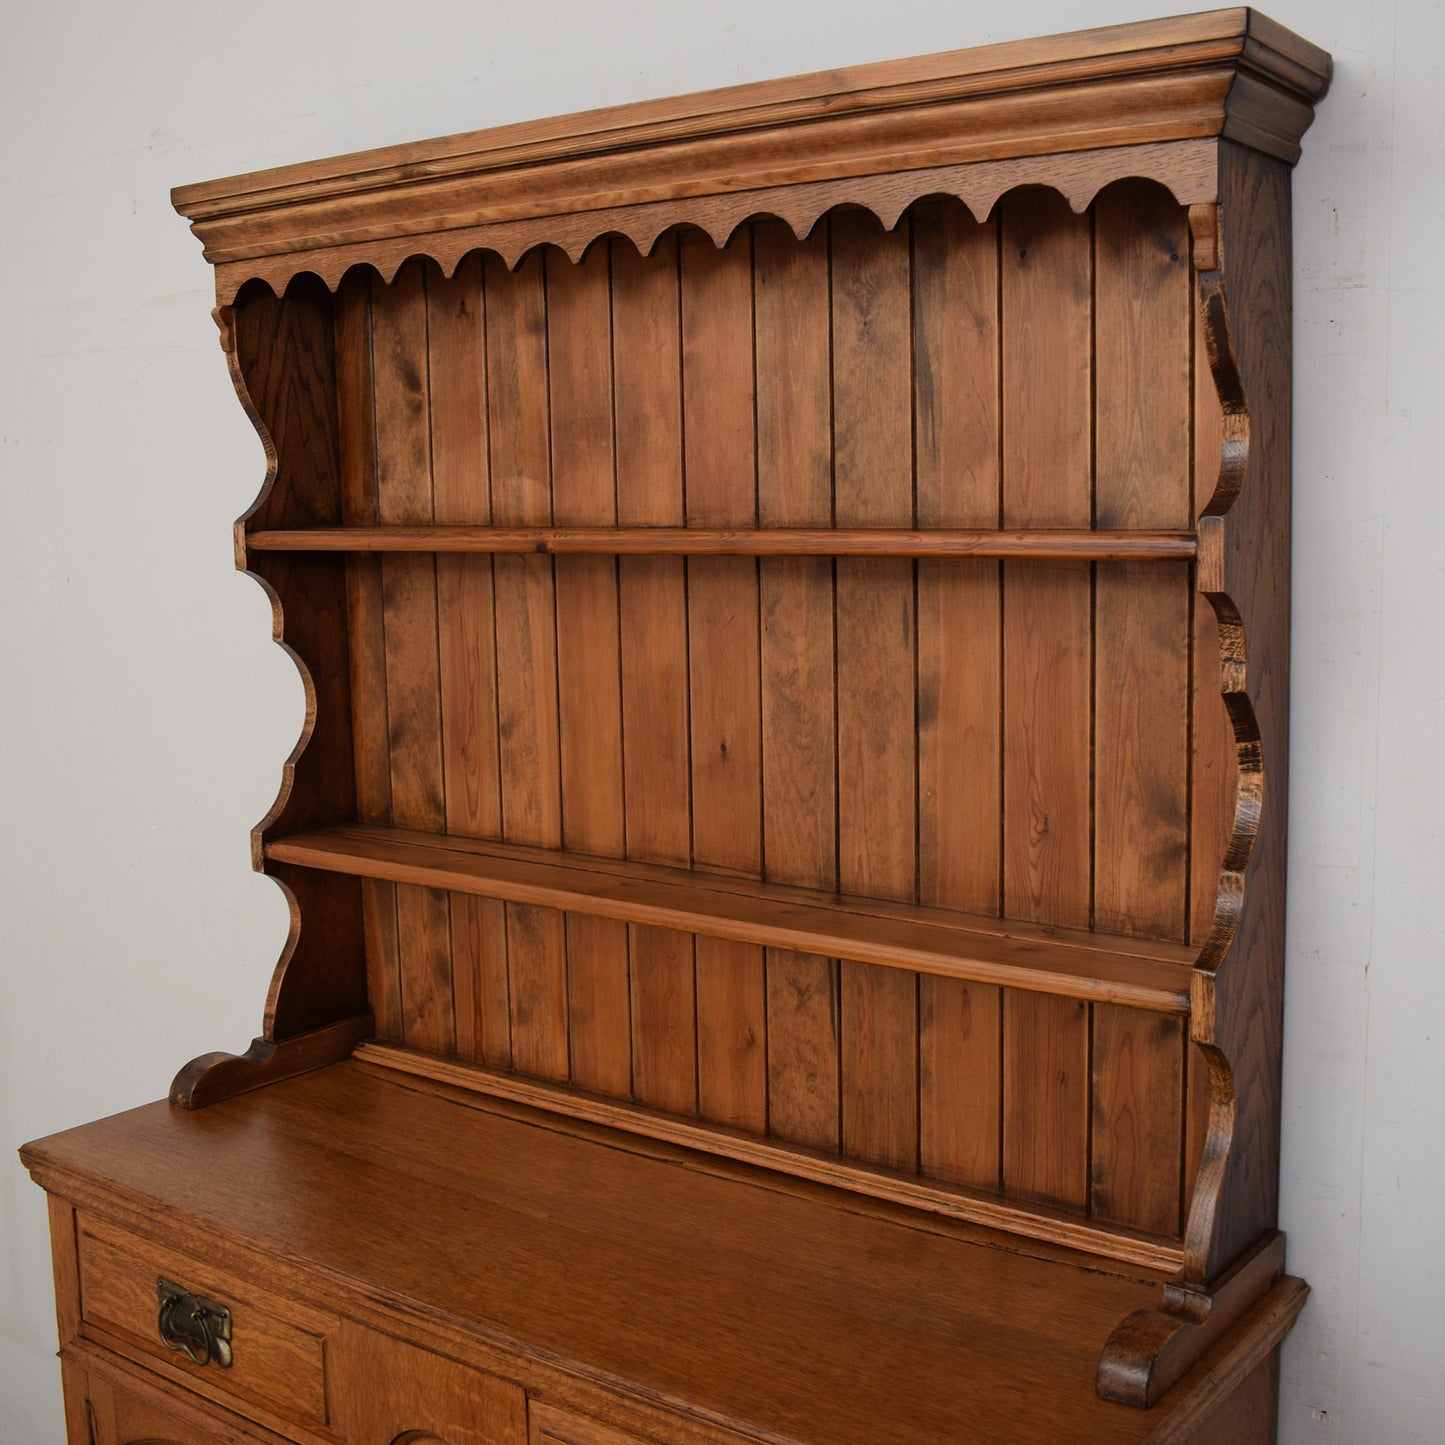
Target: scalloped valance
(1074,112)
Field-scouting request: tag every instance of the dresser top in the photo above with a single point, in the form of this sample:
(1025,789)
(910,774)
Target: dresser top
(635,1262)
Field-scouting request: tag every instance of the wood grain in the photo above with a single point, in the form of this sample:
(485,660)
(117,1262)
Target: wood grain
(960,669)
(876,628)
(1141,684)
(656,747)
(283,366)
(1046,544)
(526,624)
(1238,1015)
(1046,300)
(724,670)
(792,327)
(388,1388)
(366,637)
(1068,962)
(461,494)
(402,412)
(589,687)
(530,1227)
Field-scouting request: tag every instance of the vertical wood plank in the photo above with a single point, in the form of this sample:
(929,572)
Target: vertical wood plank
(366,641)
(877,855)
(1141,686)
(956,424)
(794,436)
(647,397)
(413,686)
(461,487)
(1138,1103)
(526,627)
(1045,290)
(1141,349)
(723,675)
(1046,1098)
(579,354)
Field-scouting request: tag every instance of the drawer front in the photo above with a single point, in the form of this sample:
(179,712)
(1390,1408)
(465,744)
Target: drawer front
(389,1390)
(550,1425)
(121,1414)
(277,1352)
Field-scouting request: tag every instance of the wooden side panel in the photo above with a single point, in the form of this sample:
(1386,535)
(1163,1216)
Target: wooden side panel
(366,637)
(526,625)
(1249,994)
(794,438)
(1046,284)
(876,627)
(956,425)
(657,790)
(1214,775)
(1141,686)
(461,484)
(579,358)
(285,361)
(724,678)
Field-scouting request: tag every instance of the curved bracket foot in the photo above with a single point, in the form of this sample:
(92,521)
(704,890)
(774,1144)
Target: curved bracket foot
(213,1077)
(1152,1349)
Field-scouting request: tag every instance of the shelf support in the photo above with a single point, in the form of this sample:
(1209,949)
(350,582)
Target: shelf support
(1153,1349)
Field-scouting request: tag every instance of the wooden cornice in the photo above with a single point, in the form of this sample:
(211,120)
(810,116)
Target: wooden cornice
(1073,111)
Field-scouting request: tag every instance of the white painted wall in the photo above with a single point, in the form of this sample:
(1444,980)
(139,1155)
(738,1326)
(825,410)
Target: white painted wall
(144,713)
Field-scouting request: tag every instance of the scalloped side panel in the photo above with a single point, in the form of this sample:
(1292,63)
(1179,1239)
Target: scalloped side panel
(1249,756)
(1186,169)
(305,972)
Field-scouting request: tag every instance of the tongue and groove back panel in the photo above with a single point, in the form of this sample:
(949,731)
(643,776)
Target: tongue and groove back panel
(1039,741)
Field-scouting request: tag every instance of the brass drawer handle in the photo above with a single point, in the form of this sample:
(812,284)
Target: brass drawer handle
(198,1328)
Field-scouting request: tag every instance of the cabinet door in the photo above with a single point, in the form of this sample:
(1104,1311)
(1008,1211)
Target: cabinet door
(389,1392)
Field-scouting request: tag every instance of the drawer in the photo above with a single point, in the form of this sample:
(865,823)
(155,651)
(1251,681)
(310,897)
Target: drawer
(551,1426)
(123,1409)
(278,1350)
(390,1390)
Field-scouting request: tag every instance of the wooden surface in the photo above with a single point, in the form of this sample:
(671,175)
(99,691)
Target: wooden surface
(765,542)
(388,1389)
(559,1244)
(1239,995)
(790,148)
(820,1164)
(1070,962)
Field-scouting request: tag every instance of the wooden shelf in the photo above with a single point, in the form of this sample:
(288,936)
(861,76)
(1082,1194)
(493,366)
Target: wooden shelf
(1041,545)
(1069,963)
